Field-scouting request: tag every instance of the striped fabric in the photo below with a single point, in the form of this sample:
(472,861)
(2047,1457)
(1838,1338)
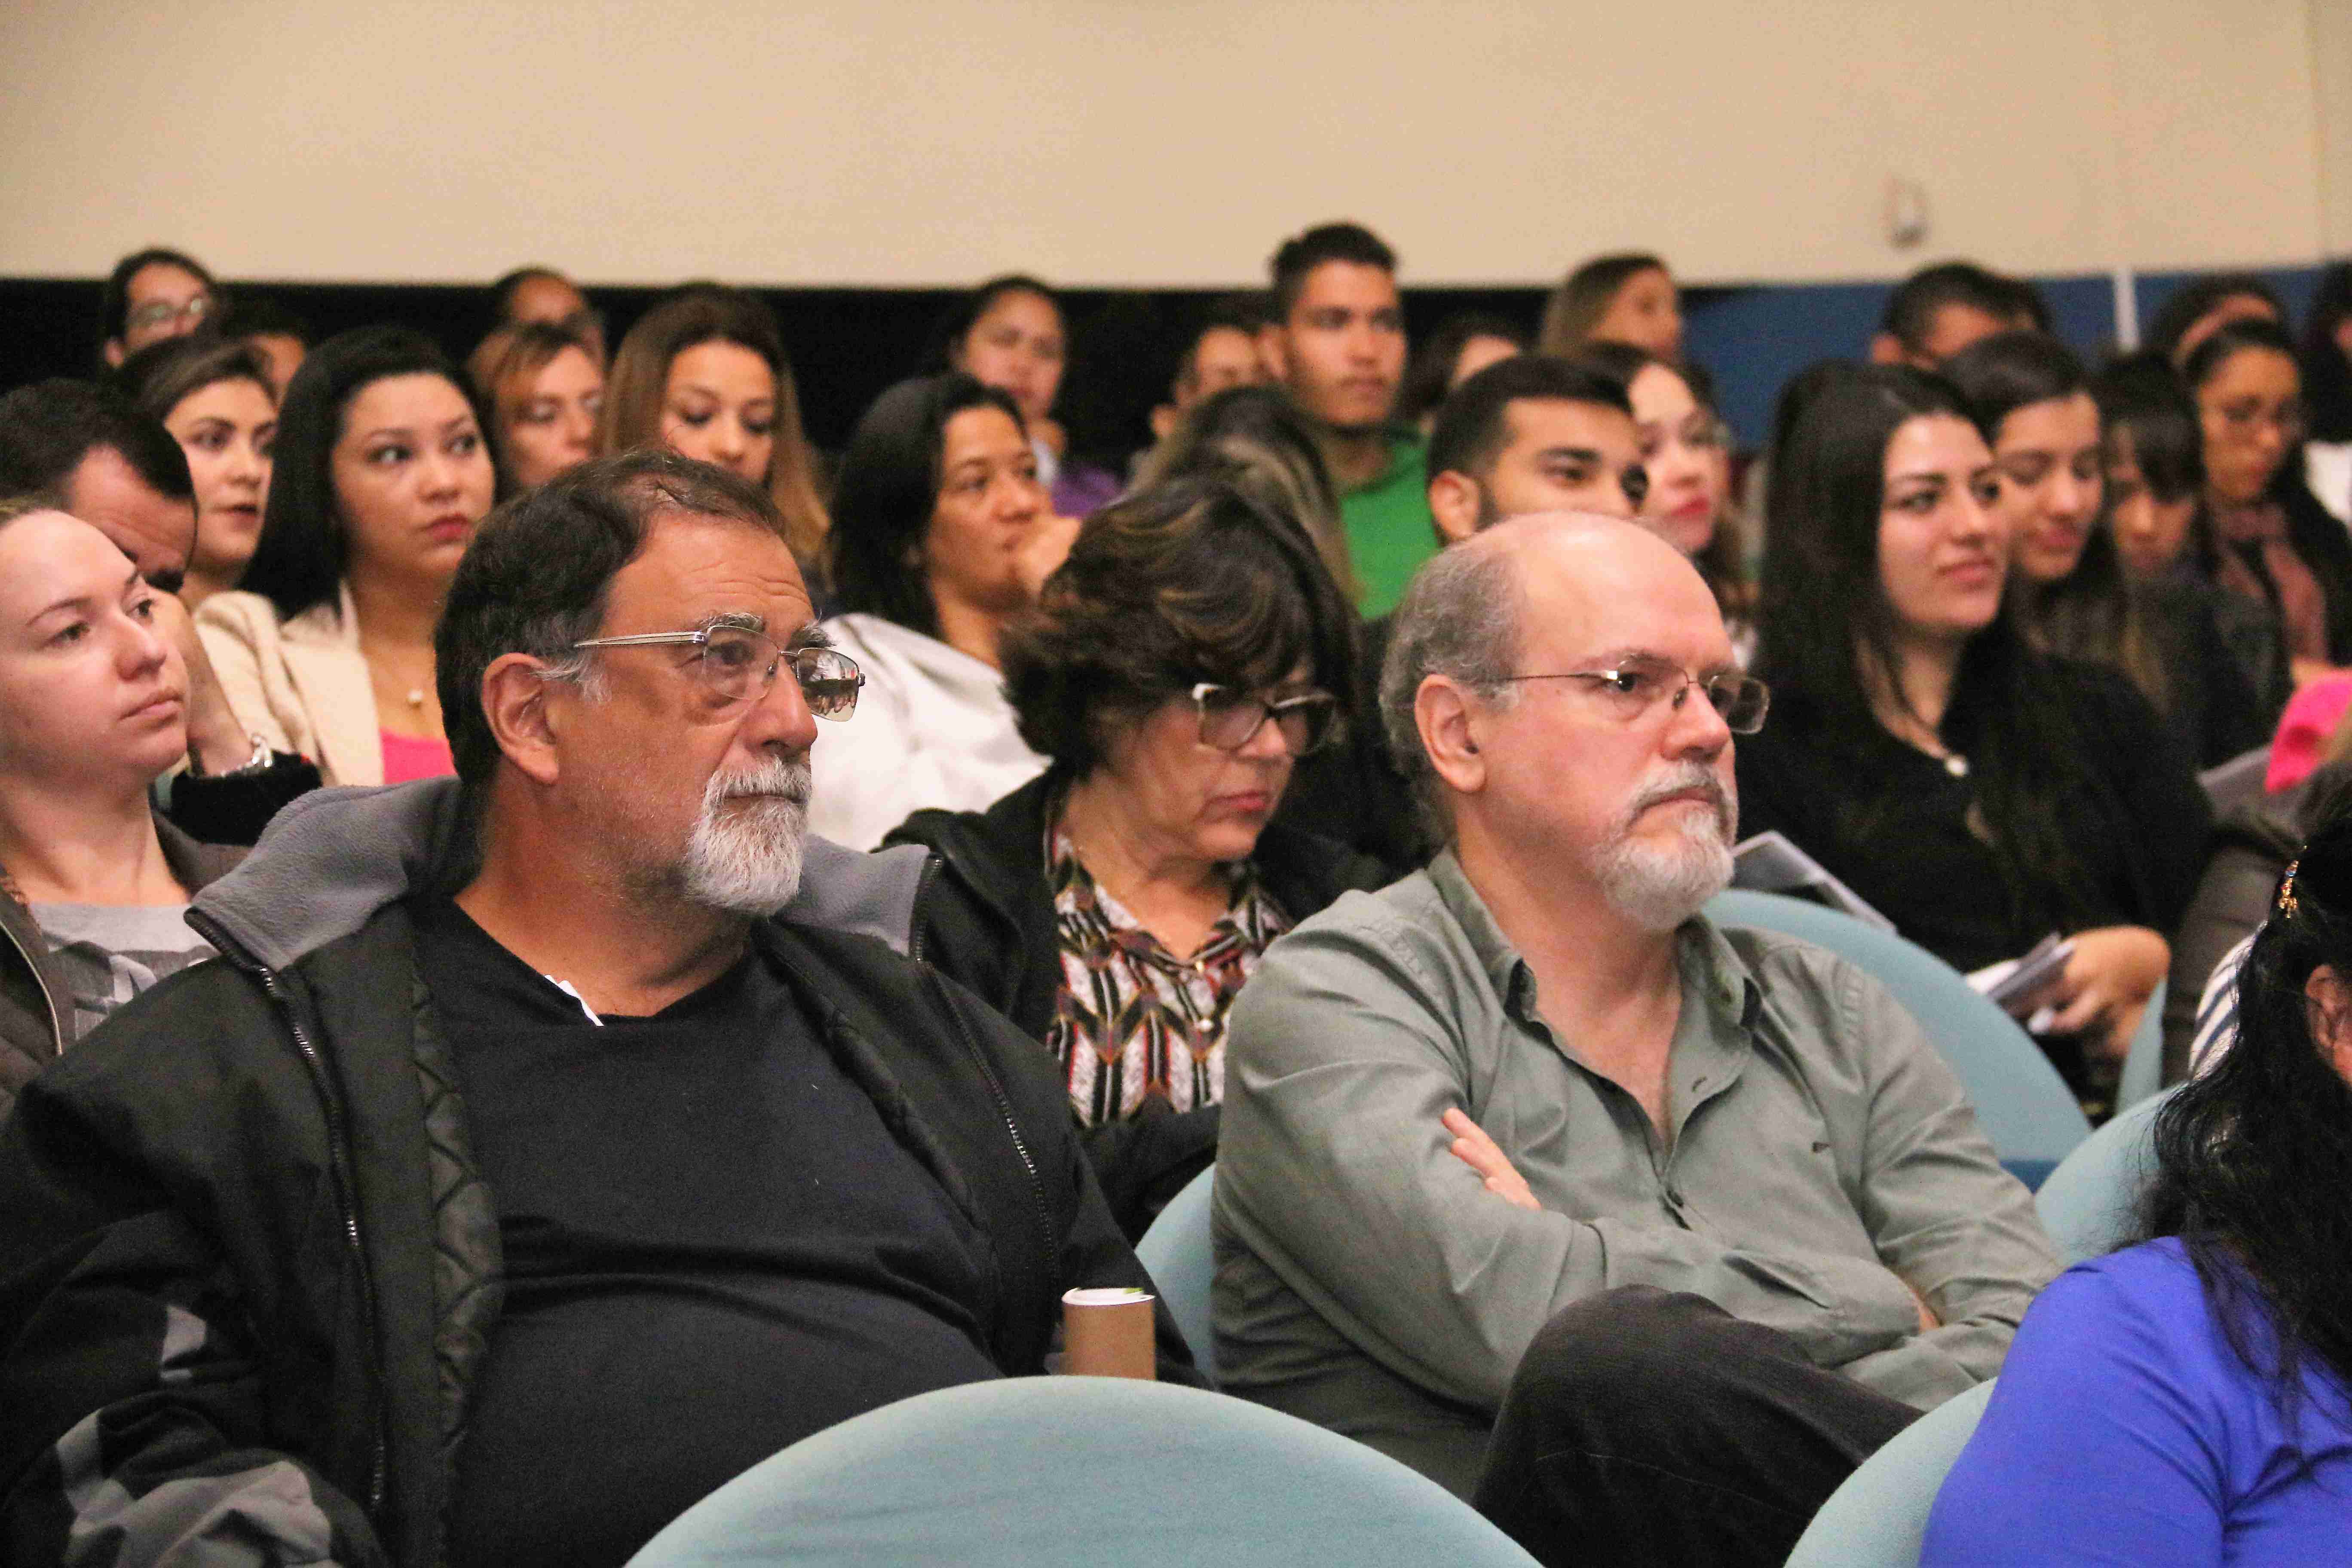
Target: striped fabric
(2217,1011)
(1134,1022)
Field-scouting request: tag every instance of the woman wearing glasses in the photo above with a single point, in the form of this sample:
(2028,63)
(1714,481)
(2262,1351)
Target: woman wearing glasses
(1981,796)
(1191,649)
(2278,548)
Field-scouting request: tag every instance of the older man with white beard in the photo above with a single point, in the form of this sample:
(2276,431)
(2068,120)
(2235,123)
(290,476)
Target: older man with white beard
(1642,1231)
(518,1177)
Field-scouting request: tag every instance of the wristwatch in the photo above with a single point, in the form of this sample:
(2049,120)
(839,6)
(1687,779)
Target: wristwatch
(259,763)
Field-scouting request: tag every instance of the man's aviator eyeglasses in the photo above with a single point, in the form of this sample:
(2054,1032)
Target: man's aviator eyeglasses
(1634,687)
(738,665)
(1230,717)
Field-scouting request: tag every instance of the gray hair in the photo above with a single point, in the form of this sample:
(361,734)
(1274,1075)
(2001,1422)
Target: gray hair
(1460,619)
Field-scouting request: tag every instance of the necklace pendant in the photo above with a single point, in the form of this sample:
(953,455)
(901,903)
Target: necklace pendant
(417,697)
(1956,765)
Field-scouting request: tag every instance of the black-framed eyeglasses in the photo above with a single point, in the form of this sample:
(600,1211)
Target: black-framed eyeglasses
(1634,686)
(738,665)
(1230,718)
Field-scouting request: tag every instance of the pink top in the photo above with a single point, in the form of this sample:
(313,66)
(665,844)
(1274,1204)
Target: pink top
(407,757)
(2304,729)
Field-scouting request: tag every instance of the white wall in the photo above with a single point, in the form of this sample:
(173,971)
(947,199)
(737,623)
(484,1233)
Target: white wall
(1159,141)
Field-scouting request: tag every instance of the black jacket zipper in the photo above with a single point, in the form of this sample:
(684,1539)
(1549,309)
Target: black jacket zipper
(1052,1243)
(931,865)
(340,1163)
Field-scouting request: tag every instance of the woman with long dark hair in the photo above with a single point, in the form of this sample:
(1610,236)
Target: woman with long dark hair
(2189,1399)
(1010,333)
(2275,546)
(1978,793)
(940,538)
(2068,591)
(378,478)
(1627,298)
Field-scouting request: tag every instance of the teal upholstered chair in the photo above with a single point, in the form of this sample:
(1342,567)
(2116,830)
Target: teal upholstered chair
(2091,1201)
(1082,1471)
(2024,1106)
(1879,1517)
(1177,1252)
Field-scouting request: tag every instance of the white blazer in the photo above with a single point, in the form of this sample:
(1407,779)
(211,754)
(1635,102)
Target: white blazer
(301,685)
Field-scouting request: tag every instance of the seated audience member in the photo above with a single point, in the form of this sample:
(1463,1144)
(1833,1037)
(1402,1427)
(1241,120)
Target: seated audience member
(1979,795)
(1187,653)
(380,479)
(1255,439)
(1939,310)
(2202,306)
(2278,551)
(1336,343)
(2068,592)
(152,295)
(1008,334)
(1222,354)
(1527,433)
(2189,1399)
(1533,433)
(1686,457)
(690,1183)
(280,336)
(2327,362)
(941,537)
(93,700)
(1462,346)
(1523,1140)
(543,294)
(219,402)
(704,374)
(87,450)
(543,387)
(1625,299)
(2156,469)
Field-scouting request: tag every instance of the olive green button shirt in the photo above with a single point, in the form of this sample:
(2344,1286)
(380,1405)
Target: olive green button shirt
(1817,1149)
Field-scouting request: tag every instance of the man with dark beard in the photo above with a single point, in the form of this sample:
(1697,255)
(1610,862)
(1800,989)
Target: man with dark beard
(1641,1231)
(520,1176)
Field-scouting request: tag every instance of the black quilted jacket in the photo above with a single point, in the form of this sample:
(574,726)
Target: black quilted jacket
(249,1267)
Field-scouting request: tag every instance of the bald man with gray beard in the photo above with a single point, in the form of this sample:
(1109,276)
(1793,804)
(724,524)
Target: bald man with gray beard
(1641,1231)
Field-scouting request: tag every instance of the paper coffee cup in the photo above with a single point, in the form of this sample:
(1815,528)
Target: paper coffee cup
(1107,1334)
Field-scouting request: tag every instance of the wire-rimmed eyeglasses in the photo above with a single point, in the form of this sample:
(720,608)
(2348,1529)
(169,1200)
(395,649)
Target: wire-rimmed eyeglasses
(1635,686)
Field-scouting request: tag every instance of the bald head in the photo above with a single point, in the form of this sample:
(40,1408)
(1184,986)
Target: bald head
(1538,594)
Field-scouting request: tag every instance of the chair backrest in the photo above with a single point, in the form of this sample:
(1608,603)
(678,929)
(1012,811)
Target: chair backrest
(2143,1067)
(2090,1201)
(1878,1517)
(1042,1471)
(1177,1253)
(2024,1106)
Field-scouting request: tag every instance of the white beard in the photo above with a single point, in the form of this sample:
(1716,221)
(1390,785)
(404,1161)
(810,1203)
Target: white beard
(744,856)
(1658,886)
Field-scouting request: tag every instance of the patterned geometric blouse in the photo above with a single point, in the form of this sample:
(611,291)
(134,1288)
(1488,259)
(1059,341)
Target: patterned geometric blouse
(1133,1020)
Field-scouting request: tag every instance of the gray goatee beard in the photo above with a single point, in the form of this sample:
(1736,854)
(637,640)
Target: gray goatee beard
(1658,886)
(744,856)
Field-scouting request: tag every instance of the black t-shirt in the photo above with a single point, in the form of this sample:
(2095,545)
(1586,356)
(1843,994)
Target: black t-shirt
(714,1247)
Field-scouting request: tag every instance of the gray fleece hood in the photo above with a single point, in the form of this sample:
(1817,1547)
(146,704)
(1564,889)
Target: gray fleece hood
(335,857)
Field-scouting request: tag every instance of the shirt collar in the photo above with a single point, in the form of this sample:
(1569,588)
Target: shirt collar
(1712,969)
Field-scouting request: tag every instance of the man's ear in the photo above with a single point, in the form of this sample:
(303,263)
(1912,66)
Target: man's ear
(514,703)
(1273,348)
(1448,722)
(1455,503)
(2328,1005)
(1163,421)
(1887,349)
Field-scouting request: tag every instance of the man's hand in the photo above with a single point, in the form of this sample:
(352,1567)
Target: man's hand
(215,739)
(1043,551)
(1474,1149)
(1927,1319)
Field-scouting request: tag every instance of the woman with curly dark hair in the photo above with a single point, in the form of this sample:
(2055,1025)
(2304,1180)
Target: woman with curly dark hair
(2189,1399)
(1187,653)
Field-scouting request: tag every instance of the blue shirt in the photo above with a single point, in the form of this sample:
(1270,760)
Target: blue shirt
(2125,1430)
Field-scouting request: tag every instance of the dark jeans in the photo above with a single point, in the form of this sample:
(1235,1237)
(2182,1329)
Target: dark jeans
(1646,1428)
